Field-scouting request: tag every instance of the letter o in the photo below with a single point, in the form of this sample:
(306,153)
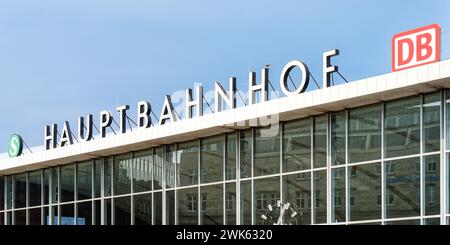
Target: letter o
(285,73)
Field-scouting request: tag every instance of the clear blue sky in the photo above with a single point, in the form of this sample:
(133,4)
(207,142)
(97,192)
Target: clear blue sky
(63,59)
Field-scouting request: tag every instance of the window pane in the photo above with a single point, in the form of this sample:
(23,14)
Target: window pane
(230,163)
(365,191)
(170,164)
(320,196)
(338,195)
(246,202)
(84,180)
(245,152)
(211,204)
(170,207)
(67,216)
(35,186)
(20,190)
(432,182)
(297,192)
(158,168)
(320,141)
(2,193)
(431,122)
(55,185)
(188,206)
(2,218)
(297,145)
(51,217)
(402,135)
(98,212)
(108,212)
(157,205)
(404,222)
(97,177)
(20,217)
(266,191)
(143,209)
(434,221)
(67,183)
(47,176)
(402,188)
(338,138)
(9,191)
(188,168)
(122,211)
(364,134)
(448,118)
(107,176)
(142,171)
(84,213)
(267,151)
(35,216)
(211,168)
(230,203)
(122,174)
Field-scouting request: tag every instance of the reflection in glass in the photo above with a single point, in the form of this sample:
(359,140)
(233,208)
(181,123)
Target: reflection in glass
(364,134)
(267,151)
(211,205)
(364,183)
(170,165)
(142,209)
(84,180)
(431,170)
(54,195)
(431,122)
(108,212)
(67,215)
(84,213)
(297,145)
(402,127)
(142,171)
(188,167)
(230,154)
(245,152)
(157,205)
(297,192)
(20,190)
(187,206)
(35,186)
(211,164)
(97,177)
(122,174)
(20,217)
(158,168)
(170,207)
(402,187)
(246,202)
(338,195)
(266,191)
(51,215)
(320,141)
(9,192)
(230,203)
(67,183)
(338,138)
(433,221)
(320,196)
(122,210)
(107,165)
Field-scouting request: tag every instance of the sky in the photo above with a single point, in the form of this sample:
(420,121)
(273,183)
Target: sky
(63,59)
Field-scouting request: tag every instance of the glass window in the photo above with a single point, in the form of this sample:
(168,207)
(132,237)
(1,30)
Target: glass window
(67,216)
(188,167)
(320,141)
(2,218)
(431,122)
(338,195)
(403,184)
(157,205)
(170,164)
(245,153)
(84,180)
(402,127)
(142,209)
(170,207)
(108,211)
(230,154)
(122,174)
(297,145)
(432,182)
(84,213)
(211,205)
(47,175)
(338,138)
(297,192)
(364,133)
(98,212)
(404,222)
(2,193)
(143,171)
(107,164)
(51,215)
(266,191)
(67,183)
(20,217)
(211,163)
(54,195)
(267,151)
(188,206)
(448,118)
(122,210)
(20,190)
(320,196)
(35,216)
(97,177)
(9,192)
(230,203)
(246,202)
(158,168)
(35,186)
(433,221)
(365,192)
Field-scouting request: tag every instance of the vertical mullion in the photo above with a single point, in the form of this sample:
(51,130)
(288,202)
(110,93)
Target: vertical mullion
(281,131)
(163,182)
(443,165)
(311,178)
(75,193)
(59,194)
(102,192)
(132,189)
(421,161)
(42,196)
(224,162)
(175,184)
(199,176)
(13,199)
(253,175)
(111,160)
(347,197)
(383,181)
(93,214)
(153,186)
(238,177)
(328,165)
(27,197)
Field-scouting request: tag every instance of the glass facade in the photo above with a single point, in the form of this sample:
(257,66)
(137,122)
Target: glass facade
(384,163)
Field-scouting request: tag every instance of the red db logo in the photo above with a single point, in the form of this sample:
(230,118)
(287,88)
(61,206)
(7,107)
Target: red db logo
(416,47)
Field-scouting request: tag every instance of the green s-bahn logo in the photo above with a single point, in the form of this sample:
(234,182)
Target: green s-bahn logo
(15,145)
